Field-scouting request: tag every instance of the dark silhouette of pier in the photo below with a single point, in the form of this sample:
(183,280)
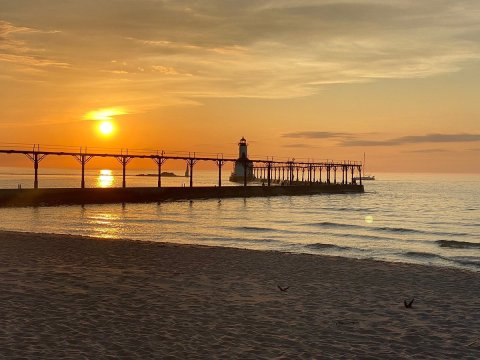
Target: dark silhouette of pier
(302,177)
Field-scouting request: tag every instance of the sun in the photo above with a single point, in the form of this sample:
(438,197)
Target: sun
(105,118)
(106,128)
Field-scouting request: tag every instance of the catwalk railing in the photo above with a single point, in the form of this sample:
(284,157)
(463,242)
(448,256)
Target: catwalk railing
(265,170)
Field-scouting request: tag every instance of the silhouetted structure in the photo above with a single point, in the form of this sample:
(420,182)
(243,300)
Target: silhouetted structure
(267,171)
(243,169)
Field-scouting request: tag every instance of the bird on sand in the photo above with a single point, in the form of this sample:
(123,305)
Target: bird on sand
(408,305)
(283,288)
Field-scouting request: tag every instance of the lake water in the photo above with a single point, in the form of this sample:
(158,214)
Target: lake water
(425,219)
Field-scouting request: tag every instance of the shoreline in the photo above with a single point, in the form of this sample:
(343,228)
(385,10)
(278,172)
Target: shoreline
(72,296)
(66,236)
(469,269)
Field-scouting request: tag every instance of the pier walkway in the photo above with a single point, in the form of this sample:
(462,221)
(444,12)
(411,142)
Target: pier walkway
(273,177)
(268,171)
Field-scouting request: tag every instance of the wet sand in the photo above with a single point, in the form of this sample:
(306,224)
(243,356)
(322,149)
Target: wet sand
(78,298)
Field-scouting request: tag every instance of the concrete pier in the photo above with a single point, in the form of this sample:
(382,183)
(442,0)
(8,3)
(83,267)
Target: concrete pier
(69,196)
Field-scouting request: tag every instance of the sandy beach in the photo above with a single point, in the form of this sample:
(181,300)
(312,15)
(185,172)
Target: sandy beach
(81,298)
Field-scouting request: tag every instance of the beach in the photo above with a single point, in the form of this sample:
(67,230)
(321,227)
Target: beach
(76,297)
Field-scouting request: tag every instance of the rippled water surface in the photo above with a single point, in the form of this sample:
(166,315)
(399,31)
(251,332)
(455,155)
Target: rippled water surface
(427,219)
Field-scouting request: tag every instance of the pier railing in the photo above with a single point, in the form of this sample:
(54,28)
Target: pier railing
(264,170)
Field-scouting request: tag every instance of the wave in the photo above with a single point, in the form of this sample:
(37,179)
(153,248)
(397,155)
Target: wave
(467,261)
(422,255)
(321,246)
(348,209)
(394,230)
(253,229)
(401,230)
(458,244)
(416,231)
(363,236)
(329,224)
(224,239)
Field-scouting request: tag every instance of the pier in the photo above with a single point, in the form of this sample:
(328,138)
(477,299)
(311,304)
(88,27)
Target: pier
(270,177)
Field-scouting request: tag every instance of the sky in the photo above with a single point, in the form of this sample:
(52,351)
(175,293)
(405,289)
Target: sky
(398,80)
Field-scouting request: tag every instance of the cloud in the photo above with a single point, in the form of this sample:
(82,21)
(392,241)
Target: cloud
(415,139)
(14,49)
(317,135)
(428,151)
(298,145)
(262,49)
(351,139)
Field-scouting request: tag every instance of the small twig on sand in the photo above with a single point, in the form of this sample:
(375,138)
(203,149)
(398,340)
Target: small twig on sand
(474,342)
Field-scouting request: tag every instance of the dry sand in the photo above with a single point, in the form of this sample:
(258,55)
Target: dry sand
(80,298)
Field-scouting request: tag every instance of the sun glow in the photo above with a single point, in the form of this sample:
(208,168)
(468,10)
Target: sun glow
(105,118)
(106,127)
(104,114)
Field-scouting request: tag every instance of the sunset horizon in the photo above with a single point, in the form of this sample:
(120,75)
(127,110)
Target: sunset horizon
(396,80)
(239,179)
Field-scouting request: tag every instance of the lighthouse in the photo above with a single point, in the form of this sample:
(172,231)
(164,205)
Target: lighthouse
(242,163)
(242,149)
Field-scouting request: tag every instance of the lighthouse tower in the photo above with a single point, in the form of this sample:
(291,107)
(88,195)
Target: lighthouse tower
(242,149)
(238,174)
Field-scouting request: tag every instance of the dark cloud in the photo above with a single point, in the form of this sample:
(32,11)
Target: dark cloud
(350,139)
(427,151)
(298,145)
(415,139)
(317,135)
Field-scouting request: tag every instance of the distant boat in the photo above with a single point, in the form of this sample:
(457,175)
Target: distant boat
(365,176)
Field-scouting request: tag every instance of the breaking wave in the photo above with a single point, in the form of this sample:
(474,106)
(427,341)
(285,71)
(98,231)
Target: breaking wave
(321,246)
(328,224)
(422,255)
(453,244)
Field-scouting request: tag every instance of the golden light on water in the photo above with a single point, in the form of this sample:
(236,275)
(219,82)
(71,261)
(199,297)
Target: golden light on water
(105,179)
(369,219)
(105,225)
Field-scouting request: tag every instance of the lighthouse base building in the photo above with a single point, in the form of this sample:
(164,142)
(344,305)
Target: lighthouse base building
(243,166)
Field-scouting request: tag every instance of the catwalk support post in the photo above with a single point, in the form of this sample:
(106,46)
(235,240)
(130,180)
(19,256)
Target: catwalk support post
(36,157)
(124,160)
(159,161)
(191,161)
(83,159)
(269,173)
(220,163)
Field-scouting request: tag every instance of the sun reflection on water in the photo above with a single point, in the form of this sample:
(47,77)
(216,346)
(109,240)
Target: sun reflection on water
(105,225)
(105,179)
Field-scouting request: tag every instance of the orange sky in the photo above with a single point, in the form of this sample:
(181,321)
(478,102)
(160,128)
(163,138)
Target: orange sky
(396,79)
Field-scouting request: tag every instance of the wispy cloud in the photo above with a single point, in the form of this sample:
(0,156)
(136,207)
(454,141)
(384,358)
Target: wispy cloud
(415,139)
(298,145)
(317,135)
(262,49)
(427,151)
(351,139)
(16,49)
